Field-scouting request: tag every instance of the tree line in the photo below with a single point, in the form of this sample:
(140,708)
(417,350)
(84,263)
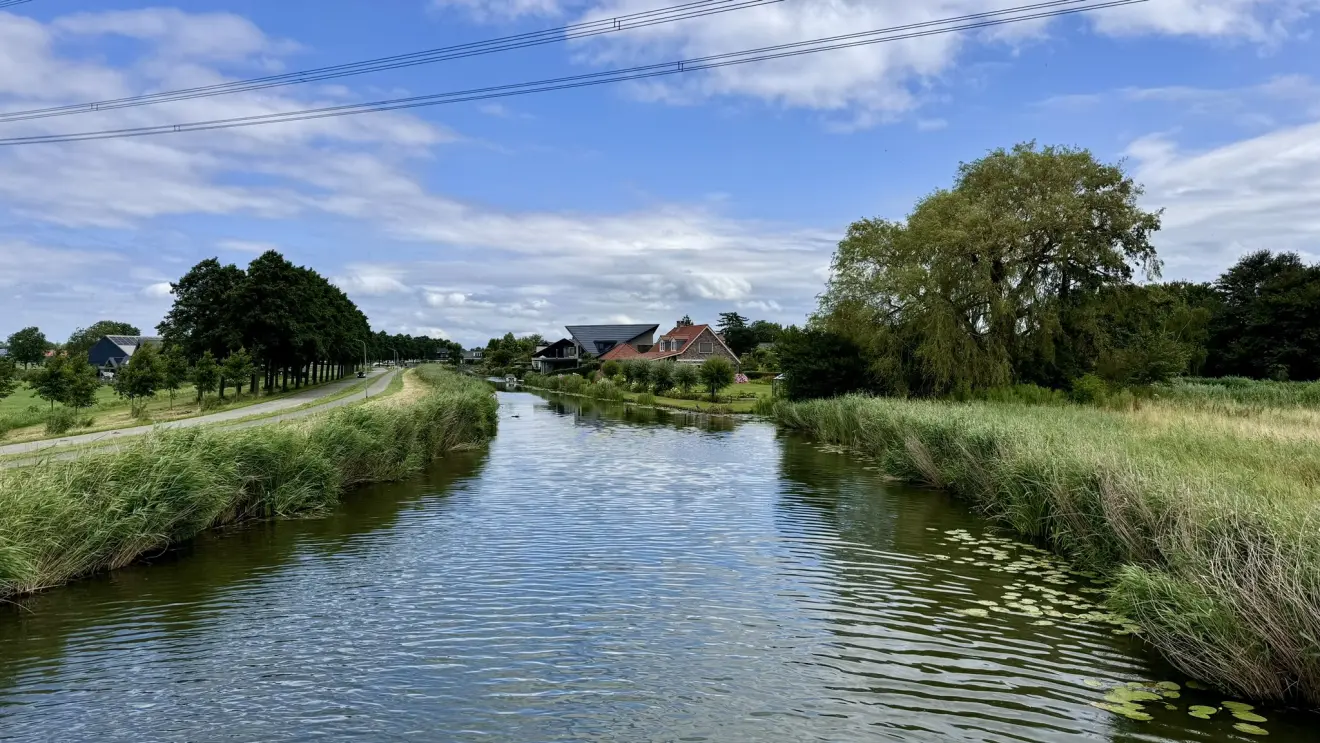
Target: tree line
(271,325)
(1037,267)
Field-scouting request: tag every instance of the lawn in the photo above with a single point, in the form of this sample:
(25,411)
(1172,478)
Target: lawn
(758,390)
(23,414)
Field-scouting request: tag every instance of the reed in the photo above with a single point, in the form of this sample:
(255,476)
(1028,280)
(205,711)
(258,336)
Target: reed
(1208,524)
(60,520)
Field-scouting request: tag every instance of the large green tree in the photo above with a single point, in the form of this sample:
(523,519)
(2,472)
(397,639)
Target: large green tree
(716,373)
(989,281)
(139,379)
(51,381)
(1268,323)
(173,371)
(205,314)
(83,339)
(8,377)
(28,346)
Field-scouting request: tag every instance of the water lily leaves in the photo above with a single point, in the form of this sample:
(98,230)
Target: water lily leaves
(1124,695)
(1237,706)
(979,613)
(1043,623)
(1130,711)
(1243,711)
(1249,717)
(1167,685)
(1194,684)
(1094,683)
(1249,729)
(1202,711)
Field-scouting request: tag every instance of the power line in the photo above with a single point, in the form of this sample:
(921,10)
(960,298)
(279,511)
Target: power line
(587,29)
(779,51)
(11,3)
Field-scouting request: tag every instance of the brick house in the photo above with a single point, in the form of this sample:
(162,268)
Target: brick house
(685,344)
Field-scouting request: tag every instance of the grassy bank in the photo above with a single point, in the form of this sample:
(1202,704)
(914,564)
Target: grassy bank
(741,398)
(62,520)
(1209,524)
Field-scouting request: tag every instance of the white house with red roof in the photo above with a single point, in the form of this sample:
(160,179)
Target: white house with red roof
(686,344)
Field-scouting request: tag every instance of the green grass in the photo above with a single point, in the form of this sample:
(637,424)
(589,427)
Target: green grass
(23,413)
(1209,524)
(740,398)
(63,519)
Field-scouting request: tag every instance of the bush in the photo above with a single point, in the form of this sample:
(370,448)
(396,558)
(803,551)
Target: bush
(61,420)
(605,390)
(646,398)
(571,383)
(817,363)
(610,368)
(662,376)
(1089,390)
(716,373)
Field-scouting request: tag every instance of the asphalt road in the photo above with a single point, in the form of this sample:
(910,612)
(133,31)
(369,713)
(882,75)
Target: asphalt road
(378,380)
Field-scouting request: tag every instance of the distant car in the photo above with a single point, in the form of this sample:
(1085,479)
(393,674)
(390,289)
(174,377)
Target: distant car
(361,374)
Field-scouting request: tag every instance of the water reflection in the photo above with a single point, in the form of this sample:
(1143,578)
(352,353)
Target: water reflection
(603,573)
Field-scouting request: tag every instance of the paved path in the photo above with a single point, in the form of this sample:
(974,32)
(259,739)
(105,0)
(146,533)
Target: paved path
(378,380)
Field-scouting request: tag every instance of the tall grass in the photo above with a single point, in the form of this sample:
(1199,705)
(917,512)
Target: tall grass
(1232,394)
(62,520)
(1210,526)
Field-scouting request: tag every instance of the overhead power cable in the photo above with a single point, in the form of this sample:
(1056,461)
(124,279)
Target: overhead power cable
(586,29)
(968,22)
(11,3)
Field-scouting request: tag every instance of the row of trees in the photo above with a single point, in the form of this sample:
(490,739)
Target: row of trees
(30,345)
(661,377)
(1026,271)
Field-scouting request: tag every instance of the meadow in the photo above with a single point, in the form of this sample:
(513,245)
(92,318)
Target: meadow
(60,520)
(1200,499)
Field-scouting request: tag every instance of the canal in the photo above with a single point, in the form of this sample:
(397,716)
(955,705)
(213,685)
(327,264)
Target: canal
(604,574)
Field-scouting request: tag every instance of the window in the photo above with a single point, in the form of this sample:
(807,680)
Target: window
(678,344)
(664,345)
(570,352)
(705,348)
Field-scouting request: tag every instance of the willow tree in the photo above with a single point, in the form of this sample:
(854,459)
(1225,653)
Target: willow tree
(988,281)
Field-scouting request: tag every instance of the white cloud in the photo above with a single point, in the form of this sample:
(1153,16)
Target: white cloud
(246,246)
(176,34)
(1259,193)
(157,290)
(370,281)
(501,10)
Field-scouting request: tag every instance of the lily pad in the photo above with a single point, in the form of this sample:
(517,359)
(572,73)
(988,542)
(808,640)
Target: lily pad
(1129,711)
(1094,683)
(1194,684)
(1202,711)
(1249,717)
(976,612)
(1167,685)
(1237,706)
(1249,729)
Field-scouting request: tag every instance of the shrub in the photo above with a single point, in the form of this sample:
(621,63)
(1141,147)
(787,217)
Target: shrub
(61,420)
(610,368)
(646,398)
(716,373)
(818,363)
(1089,390)
(571,383)
(662,376)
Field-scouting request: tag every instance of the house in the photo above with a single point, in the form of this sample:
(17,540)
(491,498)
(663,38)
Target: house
(442,356)
(113,351)
(686,344)
(473,357)
(598,340)
(562,354)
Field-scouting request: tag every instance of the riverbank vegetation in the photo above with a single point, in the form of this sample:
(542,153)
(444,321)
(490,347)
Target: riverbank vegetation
(711,387)
(1003,349)
(63,519)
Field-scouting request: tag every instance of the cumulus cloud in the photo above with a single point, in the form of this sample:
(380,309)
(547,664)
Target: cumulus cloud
(157,290)
(501,10)
(1258,194)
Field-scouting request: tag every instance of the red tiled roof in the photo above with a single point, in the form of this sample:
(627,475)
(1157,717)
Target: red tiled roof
(620,352)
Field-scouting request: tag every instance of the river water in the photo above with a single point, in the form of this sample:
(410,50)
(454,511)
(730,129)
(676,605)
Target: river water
(599,574)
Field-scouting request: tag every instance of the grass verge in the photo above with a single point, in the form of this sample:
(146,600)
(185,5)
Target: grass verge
(1207,524)
(61,520)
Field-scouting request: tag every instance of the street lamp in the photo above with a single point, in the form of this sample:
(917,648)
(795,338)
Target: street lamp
(366,392)
(396,357)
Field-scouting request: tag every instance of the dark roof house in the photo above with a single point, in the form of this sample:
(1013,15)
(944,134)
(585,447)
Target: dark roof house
(562,354)
(113,351)
(598,340)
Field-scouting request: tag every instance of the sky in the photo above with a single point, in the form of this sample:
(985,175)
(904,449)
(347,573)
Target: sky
(636,202)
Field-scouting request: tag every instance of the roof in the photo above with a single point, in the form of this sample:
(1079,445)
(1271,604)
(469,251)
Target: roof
(541,351)
(129,343)
(598,339)
(621,352)
(687,333)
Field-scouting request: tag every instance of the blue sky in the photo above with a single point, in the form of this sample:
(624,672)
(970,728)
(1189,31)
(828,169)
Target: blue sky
(693,195)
